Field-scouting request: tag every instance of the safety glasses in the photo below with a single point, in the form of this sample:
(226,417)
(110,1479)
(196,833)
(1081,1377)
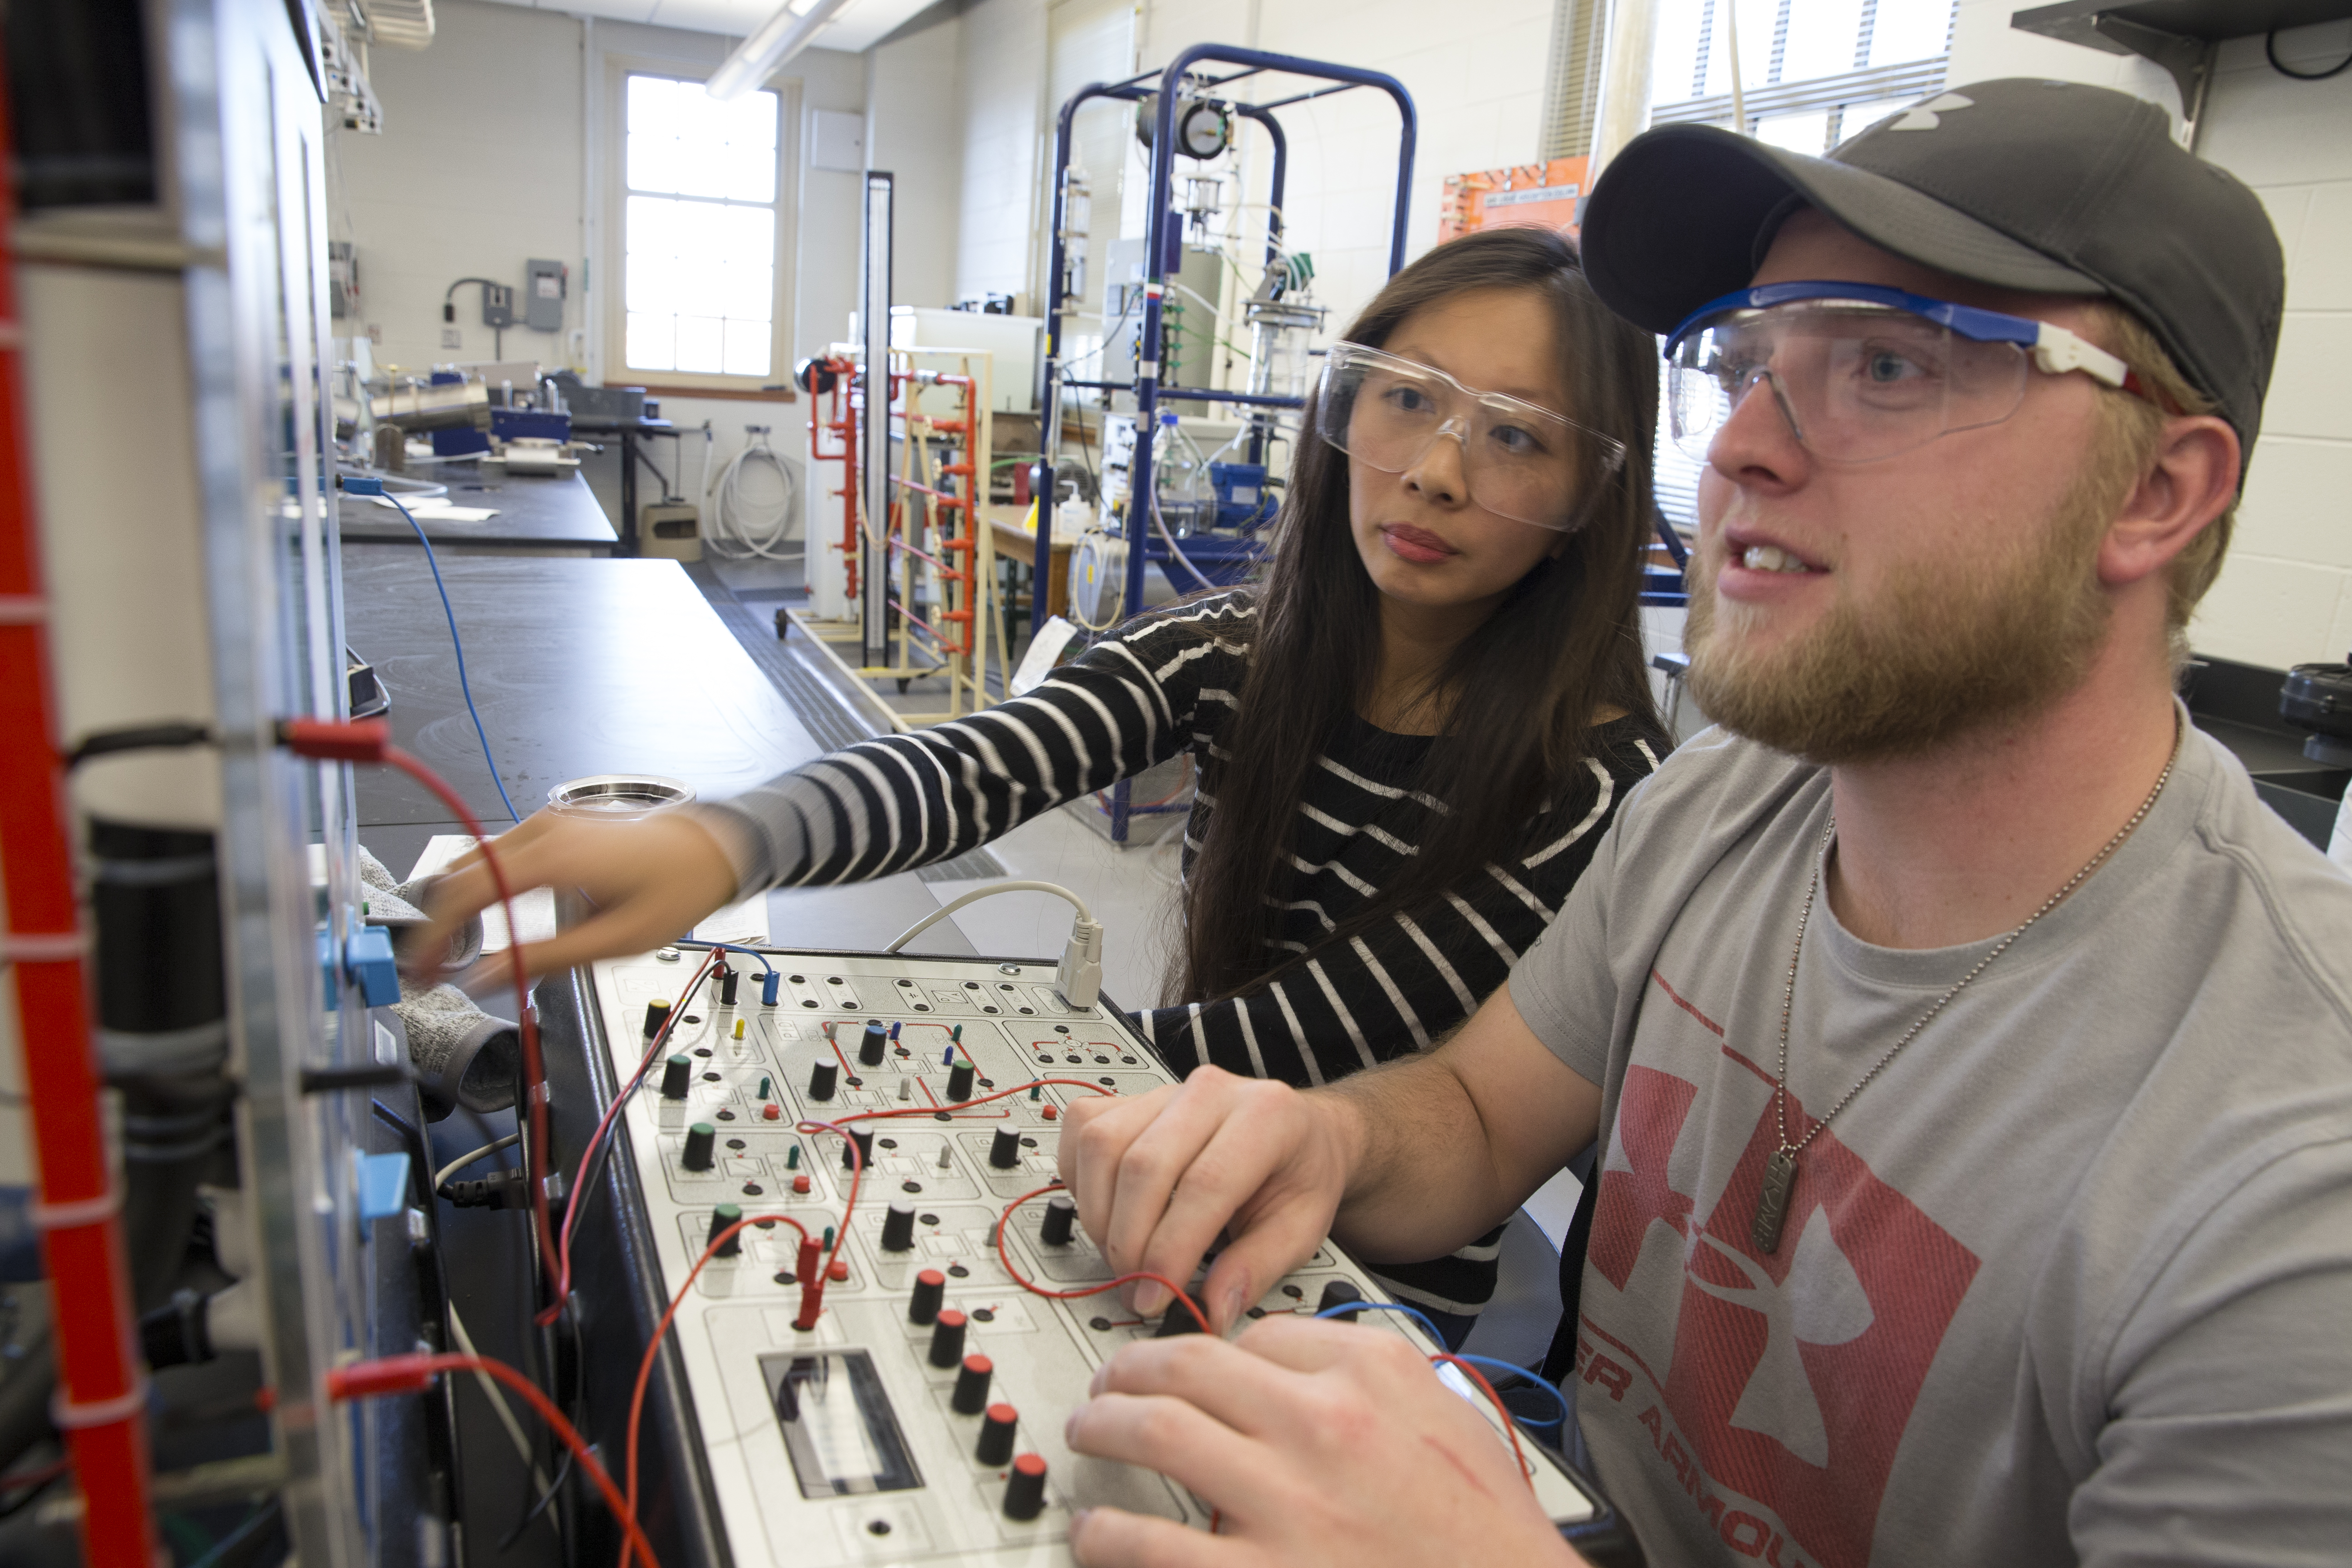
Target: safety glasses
(1519,460)
(1861,372)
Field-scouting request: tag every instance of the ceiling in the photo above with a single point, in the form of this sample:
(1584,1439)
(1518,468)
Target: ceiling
(858,25)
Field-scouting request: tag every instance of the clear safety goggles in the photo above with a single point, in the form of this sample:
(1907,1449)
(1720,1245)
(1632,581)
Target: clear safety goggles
(1861,372)
(1519,460)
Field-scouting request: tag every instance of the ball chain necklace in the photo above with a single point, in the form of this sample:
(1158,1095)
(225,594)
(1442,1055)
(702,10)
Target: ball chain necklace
(1781,1169)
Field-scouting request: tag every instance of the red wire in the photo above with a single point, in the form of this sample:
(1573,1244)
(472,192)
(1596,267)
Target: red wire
(653,1349)
(1006,1219)
(534,1068)
(1510,1422)
(572,1212)
(395,1375)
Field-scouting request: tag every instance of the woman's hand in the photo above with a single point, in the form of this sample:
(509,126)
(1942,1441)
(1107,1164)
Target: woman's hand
(650,881)
(1158,1176)
(1317,1443)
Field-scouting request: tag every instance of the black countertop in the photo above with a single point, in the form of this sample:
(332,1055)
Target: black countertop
(554,515)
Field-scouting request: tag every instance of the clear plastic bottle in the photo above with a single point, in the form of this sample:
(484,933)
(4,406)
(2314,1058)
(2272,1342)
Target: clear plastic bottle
(1180,479)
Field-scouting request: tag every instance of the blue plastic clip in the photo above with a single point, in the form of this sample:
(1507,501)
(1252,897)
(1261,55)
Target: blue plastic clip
(768,984)
(367,954)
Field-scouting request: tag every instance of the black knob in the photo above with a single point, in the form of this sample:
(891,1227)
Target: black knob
(873,1046)
(930,1289)
(959,1081)
(821,1079)
(1338,1293)
(946,1338)
(657,1015)
(898,1229)
(864,1157)
(1060,1211)
(728,980)
(1004,1149)
(1178,1321)
(699,1140)
(721,1217)
(676,1073)
(970,1396)
(1024,1488)
(997,1430)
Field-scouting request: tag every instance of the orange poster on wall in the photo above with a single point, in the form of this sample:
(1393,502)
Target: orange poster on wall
(1525,195)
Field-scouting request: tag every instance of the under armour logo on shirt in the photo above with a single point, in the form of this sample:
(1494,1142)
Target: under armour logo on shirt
(1924,117)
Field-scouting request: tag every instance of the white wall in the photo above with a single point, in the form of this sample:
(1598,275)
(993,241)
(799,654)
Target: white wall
(493,152)
(915,129)
(2286,594)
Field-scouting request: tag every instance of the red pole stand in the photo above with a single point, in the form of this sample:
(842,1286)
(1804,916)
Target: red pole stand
(101,1389)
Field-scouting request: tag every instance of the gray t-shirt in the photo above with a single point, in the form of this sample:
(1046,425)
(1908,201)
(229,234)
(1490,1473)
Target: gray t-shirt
(2070,1281)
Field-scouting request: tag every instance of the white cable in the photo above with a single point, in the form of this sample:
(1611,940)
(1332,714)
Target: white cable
(1079,978)
(484,1152)
(497,1400)
(737,529)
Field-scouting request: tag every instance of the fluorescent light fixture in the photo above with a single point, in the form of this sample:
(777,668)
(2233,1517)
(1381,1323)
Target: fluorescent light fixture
(780,38)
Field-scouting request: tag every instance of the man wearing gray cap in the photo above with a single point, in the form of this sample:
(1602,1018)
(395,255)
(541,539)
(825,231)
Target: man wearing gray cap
(1969,1051)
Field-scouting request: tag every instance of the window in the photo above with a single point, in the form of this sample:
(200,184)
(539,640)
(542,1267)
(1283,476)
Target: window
(1812,73)
(698,232)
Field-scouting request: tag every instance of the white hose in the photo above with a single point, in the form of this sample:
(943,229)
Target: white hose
(739,528)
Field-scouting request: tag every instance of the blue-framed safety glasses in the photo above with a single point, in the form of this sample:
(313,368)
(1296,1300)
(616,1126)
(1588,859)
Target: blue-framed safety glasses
(1861,372)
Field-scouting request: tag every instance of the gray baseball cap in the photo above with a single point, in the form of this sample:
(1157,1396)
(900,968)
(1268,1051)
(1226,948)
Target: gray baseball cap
(2046,186)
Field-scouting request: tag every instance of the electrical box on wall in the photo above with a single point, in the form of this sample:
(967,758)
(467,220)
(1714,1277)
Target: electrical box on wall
(544,286)
(836,141)
(498,305)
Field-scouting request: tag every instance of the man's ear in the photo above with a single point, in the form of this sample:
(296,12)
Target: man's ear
(2192,482)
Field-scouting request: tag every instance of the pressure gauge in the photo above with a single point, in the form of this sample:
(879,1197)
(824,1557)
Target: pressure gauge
(1203,129)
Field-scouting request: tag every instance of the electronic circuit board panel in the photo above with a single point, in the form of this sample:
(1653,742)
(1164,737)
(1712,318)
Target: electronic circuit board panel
(918,1418)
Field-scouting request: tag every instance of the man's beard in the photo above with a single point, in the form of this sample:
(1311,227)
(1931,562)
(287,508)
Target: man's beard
(1944,652)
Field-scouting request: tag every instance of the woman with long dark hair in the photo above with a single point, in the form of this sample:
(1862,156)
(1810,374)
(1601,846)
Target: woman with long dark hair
(1409,736)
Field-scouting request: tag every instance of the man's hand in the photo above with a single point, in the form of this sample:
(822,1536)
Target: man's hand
(1159,1176)
(1318,1443)
(650,881)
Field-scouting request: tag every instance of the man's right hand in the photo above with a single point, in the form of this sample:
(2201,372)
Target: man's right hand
(1157,1178)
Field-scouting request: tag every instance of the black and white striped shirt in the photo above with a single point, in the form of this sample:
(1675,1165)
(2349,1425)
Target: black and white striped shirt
(1168,685)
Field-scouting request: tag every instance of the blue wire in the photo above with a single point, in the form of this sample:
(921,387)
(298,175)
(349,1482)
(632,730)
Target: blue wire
(727,947)
(1346,1307)
(459,644)
(1494,1365)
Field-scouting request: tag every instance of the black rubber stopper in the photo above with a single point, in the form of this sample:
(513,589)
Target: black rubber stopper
(864,1157)
(874,1045)
(947,1339)
(821,1079)
(1177,1321)
(1338,1293)
(657,1015)
(1060,1212)
(930,1289)
(1004,1149)
(898,1229)
(728,980)
(676,1073)
(959,1081)
(721,1217)
(997,1431)
(1024,1488)
(970,1396)
(699,1141)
